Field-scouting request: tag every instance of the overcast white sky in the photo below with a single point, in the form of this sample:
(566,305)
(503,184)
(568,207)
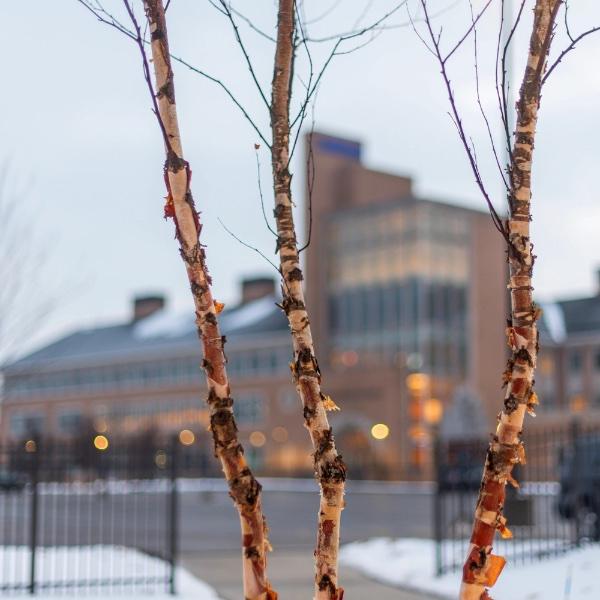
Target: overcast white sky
(80,137)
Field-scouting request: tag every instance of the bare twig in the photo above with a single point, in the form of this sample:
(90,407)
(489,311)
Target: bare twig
(228,13)
(139,39)
(334,52)
(250,24)
(260,192)
(249,246)
(435,41)
(380,26)
(479,103)
(107,18)
(224,87)
(467,33)
(310,182)
(568,49)
(505,85)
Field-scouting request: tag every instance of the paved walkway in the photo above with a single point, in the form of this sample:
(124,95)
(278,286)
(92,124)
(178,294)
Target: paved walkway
(291,574)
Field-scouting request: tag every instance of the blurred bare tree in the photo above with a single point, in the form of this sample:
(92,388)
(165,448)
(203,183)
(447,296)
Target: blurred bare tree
(25,299)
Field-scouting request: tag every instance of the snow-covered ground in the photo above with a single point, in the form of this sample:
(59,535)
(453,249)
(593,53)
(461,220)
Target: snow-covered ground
(270,484)
(87,563)
(218,484)
(410,563)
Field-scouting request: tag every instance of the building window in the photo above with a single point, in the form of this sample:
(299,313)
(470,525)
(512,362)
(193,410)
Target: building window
(575,361)
(26,424)
(289,402)
(546,366)
(249,409)
(597,360)
(69,421)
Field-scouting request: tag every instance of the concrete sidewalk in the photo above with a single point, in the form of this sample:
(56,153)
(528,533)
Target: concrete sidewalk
(291,572)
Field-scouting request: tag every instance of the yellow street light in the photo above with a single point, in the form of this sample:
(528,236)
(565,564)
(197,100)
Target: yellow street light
(257,439)
(433,411)
(30,446)
(101,442)
(417,382)
(187,437)
(380,431)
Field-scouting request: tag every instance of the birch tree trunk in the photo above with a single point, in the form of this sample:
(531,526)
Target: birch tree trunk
(329,467)
(243,487)
(481,568)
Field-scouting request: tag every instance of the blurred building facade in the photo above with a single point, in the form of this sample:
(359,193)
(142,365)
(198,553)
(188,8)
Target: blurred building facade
(143,377)
(568,373)
(408,302)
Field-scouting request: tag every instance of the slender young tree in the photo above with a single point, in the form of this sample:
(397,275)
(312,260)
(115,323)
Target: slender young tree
(244,489)
(506,449)
(329,466)
(482,568)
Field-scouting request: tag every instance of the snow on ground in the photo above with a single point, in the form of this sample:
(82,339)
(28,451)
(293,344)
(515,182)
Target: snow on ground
(410,563)
(270,484)
(218,484)
(88,563)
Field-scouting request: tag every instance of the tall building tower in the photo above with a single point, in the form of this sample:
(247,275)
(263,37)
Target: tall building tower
(400,285)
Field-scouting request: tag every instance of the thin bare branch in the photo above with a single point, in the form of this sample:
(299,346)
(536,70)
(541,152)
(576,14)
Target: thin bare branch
(567,29)
(334,52)
(466,35)
(139,39)
(227,12)
(260,192)
(505,87)
(250,24)
(310,181)
(224,87)
(307,98)
(498,223)
(254,248)
(503,116)
(362,30)
(479,103)
(568,49)
(105,17)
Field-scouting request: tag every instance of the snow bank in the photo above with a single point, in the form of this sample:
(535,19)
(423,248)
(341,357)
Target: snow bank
(218,484)
(68,564)
(410,563)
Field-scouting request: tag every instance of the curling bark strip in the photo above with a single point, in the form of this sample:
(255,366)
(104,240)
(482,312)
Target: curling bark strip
(482,568)
(243,487)
(329,467)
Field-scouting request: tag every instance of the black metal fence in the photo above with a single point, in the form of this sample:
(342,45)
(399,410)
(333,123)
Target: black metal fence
(76,517)
(556,507)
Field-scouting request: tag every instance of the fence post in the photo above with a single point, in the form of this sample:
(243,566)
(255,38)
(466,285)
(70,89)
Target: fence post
(173,513)
(576,450)
(34,512)
(437,500)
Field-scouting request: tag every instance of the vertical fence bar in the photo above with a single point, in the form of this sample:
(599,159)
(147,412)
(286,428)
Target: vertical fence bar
(34,514)
(575,449)
(173,514)
(437,500)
